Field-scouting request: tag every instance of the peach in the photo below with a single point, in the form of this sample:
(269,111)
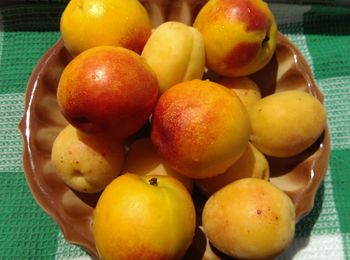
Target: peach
(143,159)
(175,51)
(239,36)
(286,123)
(246,89)
(149,217)
(86,163)
(200,128)
(90,23)
(251,164)
(249,219)
(107,89)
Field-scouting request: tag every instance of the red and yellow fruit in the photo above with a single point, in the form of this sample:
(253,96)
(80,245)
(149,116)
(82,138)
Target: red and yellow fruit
(200,128)
(239,35)
(107,89)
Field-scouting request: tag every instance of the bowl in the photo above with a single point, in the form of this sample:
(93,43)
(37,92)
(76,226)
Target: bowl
(299,176)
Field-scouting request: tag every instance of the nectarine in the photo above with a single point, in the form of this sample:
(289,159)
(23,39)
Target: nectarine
(200,128)
(239,35)
(107,89)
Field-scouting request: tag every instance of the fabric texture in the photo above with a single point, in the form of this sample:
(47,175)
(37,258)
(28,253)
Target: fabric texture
(321,32)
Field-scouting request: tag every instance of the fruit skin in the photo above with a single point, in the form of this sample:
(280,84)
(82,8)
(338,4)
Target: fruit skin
(175,51)
(239,35)
(86,163)
(124,23)
(136,220)
(249,219)
(252,163)
(246,89)
(200,128)
(107,89)
(286,123)
(143,159)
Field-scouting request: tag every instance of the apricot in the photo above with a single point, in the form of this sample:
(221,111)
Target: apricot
(109,90)
(200,128)
(246,89)
(86,163)
(175,51)
(239,36)
(249,219)
(143,159)
(286,123)
(90,23)
(251,164)
(144,217)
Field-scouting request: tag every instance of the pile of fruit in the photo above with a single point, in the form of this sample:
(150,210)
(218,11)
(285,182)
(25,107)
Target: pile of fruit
(201,133)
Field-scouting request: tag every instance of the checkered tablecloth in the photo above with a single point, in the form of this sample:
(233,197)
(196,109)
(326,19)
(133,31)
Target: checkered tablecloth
(320,31)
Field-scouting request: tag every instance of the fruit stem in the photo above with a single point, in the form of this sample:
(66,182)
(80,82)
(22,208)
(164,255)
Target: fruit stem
(153,181)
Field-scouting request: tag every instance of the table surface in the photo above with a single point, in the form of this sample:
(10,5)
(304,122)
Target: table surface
(322,34)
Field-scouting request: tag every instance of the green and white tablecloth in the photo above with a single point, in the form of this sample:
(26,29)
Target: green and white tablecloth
(321,32)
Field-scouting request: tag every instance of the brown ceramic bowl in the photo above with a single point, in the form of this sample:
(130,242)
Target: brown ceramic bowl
(299,176)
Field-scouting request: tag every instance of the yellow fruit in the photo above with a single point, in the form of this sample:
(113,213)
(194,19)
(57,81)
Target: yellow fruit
(90,23)
(86,163)
(251,164)
(142,159)
(175,51)
(249,219)
(246,89)
(150,217)
(286,123)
